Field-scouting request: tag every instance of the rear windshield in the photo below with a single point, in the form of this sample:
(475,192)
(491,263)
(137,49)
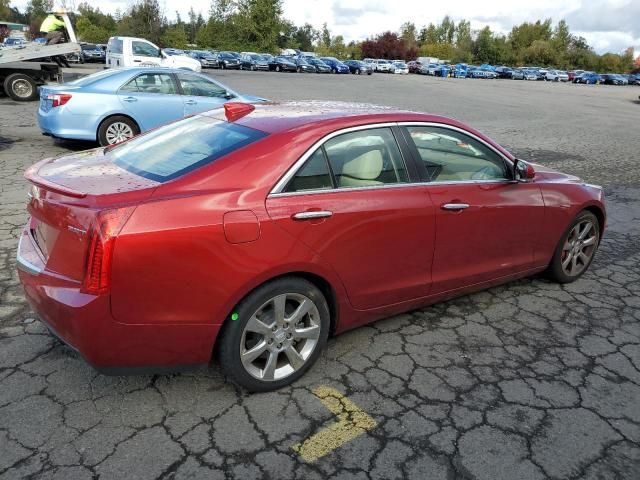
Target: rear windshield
(94,77)
(178,148)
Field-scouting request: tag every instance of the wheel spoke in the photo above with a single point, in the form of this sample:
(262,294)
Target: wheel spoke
(574,263)
(584,257)
(301,311)
(312,332)
(585,230)
(589,241)
(257,326)
(250,355)
(270,368)
(279,303)
(295,359)
(567,261)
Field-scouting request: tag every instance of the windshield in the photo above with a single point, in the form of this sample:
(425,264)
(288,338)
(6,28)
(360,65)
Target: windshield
(88,47)
(178,148)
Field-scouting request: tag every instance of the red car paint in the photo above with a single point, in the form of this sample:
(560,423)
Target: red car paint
(186,251)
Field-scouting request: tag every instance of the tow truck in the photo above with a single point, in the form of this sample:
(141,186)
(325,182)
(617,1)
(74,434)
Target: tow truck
(25,67)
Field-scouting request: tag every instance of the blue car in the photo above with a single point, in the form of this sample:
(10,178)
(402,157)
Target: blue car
(114,105)
(335,65)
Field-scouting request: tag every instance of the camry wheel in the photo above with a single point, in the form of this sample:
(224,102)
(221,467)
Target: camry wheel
(275,334)
(116,129)
(576,249)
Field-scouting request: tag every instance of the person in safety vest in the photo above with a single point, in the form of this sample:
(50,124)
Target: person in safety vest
(54,27)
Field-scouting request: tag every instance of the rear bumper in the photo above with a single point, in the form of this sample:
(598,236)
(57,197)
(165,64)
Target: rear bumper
(61,124)
(84,322)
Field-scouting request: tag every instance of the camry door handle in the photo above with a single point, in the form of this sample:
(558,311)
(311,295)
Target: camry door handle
(312,215)
(130,99)
(190,102)
(455,206)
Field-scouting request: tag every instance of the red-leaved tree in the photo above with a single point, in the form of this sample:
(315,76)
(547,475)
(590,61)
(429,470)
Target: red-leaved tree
(388,45)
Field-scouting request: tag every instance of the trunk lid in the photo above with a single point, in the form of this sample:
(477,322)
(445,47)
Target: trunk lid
(66,196)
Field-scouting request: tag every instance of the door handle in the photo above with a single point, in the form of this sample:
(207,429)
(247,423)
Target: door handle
(137,61)
(455,206)
(312,215)
(129,99)
(190,102)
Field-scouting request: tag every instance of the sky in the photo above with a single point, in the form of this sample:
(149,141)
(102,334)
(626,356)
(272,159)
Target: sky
(608,25)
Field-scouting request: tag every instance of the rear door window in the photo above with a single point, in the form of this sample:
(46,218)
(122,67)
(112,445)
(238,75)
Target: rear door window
(178,148)
(151,83)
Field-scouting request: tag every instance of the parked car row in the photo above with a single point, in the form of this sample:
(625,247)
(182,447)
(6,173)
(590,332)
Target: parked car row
(523,73)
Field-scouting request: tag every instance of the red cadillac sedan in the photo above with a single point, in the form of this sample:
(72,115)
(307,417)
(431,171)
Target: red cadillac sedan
(256,232)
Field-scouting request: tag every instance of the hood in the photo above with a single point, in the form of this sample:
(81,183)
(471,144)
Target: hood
(545,173)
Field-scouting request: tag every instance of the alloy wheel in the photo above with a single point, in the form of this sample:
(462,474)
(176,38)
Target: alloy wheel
(579,247)
(280,337)
(118,132)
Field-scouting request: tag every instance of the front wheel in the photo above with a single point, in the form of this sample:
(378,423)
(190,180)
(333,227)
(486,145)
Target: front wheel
(274,335)
(576,249)
(116,129)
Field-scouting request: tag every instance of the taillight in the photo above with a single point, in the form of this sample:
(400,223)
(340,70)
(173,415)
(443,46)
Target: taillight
(109,223)
(59,99)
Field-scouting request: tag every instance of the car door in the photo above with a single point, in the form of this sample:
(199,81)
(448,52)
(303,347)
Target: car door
(201,94)
(352,202)
(143,52)
(487,224)
(151,99)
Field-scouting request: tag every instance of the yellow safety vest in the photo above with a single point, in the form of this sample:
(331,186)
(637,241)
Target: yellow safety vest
(51,24)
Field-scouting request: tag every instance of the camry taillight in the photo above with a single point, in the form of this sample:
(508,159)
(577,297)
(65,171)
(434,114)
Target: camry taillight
(108,224)
(59,99)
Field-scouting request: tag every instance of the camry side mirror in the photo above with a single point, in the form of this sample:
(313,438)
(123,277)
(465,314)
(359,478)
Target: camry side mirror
(523,171)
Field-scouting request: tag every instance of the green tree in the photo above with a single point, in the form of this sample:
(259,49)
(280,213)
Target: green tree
(5,10)
(175,37)
(258,23)
(145,20)
(409,33)
(325,36)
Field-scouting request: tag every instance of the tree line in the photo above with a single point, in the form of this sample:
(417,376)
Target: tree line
(259,25)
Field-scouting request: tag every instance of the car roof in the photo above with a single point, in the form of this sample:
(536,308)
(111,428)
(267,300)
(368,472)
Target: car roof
(274,117)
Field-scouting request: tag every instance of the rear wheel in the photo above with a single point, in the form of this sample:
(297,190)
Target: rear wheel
(358,71)
(116,129)
(576,249)
(20,87)
(275,334)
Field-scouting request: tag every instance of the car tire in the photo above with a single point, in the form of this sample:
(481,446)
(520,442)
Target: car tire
(113,124)
(238,335)
(20,87)
(575,246)
(252,68)
(358,72)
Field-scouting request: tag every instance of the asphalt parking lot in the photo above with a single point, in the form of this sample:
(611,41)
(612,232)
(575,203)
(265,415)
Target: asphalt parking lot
(529,380)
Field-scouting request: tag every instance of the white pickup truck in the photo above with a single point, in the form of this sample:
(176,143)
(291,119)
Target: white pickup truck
(20,75)
(137,52)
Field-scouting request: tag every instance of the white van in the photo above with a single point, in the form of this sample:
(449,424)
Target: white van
(136,52)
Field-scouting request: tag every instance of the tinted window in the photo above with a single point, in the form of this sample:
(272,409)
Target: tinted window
(88,46)
(144,49)
(200,87)
(175,149)
(151,83)
(314,174)
(449,155)
(365,158)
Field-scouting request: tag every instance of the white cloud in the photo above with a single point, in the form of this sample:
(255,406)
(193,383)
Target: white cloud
(608,25)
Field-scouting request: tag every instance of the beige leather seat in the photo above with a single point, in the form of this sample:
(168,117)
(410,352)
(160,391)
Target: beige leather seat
(362,170)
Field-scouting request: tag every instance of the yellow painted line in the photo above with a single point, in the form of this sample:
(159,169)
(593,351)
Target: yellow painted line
(352,422)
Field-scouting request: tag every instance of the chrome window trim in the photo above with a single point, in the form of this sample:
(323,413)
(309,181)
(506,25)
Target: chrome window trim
(282,183)
(276,191)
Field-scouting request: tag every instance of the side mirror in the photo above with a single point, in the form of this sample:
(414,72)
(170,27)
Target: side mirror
(523,171)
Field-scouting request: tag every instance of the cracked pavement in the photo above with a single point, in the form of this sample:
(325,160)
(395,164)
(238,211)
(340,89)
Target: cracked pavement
(529,380)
